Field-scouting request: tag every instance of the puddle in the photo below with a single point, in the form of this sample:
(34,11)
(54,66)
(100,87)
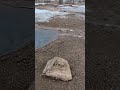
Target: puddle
(43,37)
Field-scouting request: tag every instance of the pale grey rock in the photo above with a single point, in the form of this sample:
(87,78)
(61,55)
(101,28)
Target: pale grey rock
(58,68)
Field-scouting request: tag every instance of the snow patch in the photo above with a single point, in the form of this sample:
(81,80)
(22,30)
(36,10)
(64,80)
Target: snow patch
(73,8)
(40,3)
(46,15)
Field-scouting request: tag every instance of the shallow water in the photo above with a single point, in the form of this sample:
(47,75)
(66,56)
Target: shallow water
(43,37)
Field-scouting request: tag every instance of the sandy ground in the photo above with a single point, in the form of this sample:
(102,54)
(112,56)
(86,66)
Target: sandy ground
(70,45)
(70,48)
(68,21)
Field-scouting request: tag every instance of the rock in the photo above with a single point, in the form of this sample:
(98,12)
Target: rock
(58,68)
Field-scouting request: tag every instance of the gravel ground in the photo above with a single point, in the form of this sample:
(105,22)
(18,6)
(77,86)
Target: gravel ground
(102,56)
(17,69)
(69,48)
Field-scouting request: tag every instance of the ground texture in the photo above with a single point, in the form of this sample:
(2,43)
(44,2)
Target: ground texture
(69,48)
(17,69)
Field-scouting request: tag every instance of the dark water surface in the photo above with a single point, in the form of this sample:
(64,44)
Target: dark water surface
(43,37)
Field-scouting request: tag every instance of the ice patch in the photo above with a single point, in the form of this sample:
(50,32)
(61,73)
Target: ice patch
(40,3)
(74,8)
(46,15)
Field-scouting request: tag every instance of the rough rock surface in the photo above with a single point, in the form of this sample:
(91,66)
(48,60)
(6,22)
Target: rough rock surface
(58,68)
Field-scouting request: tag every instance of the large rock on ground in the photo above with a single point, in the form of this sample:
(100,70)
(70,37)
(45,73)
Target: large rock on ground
(58,68)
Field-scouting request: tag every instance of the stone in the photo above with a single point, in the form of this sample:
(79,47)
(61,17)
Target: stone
(58,68)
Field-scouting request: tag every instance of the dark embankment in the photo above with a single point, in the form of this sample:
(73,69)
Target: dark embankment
(17,69)
(102,57)
(103,46)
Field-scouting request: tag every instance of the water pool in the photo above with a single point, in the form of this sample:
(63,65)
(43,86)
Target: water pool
(43,37)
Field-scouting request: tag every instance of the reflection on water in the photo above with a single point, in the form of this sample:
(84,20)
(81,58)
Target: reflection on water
(43,37)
